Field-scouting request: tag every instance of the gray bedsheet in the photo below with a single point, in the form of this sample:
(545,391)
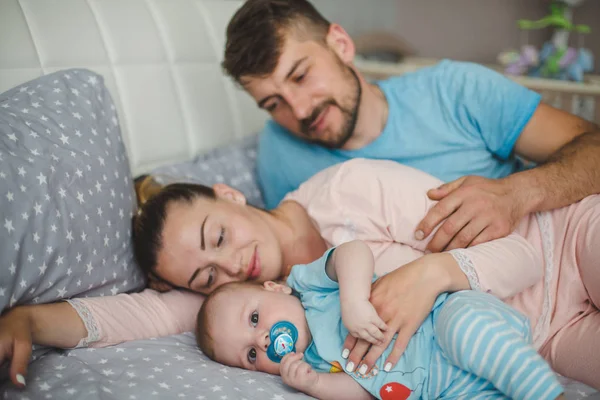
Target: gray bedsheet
(165,368)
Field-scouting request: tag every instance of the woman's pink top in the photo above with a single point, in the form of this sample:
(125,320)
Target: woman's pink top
(381,203)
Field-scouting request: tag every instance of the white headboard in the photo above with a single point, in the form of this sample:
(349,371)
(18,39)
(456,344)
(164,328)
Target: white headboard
(160,60)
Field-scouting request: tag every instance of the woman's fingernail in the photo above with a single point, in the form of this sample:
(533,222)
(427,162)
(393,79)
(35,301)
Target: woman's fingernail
(388,367)
(21,379)
(350,367)
(363,369)
(345,353)
(419,235)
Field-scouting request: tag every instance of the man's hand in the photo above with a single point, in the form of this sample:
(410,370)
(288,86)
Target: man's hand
(15,343)
(474,210)
(295,372)
(362,321)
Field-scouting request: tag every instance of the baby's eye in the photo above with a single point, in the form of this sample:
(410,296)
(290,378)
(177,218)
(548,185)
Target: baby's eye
(252,355)
(254,318)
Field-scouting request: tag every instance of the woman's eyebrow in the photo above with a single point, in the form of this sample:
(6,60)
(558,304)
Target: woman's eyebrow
(202,233)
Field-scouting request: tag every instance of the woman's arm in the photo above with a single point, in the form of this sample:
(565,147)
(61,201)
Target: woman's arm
(56,325)
(98,322)
(115,319)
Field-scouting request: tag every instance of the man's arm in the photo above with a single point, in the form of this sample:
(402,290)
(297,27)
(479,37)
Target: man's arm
(475,210)
(568,149)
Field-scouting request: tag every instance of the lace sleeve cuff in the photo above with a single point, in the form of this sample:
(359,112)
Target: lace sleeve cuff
(89,322)
(467,267)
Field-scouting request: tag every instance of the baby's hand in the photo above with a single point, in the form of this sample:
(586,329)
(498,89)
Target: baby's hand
(296,373)
(362,321)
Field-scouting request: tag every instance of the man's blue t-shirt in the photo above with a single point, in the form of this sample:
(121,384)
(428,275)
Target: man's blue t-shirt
(450,120)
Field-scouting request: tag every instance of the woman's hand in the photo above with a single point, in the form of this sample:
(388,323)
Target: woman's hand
(362,321)
(403,298)
(16,331)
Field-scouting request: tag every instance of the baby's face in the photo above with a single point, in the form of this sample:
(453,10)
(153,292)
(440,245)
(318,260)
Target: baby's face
(241,320)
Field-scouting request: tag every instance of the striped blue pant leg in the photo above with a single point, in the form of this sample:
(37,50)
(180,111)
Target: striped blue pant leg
(481,335)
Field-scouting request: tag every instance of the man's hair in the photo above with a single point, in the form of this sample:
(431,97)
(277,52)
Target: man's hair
(204,330)
(257,31)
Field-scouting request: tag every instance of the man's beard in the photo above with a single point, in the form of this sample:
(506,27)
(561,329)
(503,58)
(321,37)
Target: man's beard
(349,116)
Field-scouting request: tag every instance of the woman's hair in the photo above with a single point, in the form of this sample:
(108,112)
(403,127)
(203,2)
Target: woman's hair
(204,339)
(256,34)
(147,225)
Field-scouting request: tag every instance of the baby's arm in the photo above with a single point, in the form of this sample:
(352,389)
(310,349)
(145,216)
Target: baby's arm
(352,264)
(295,372)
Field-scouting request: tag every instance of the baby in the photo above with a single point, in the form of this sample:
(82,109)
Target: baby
(470,346)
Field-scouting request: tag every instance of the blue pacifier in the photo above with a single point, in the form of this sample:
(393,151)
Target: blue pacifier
(283,338)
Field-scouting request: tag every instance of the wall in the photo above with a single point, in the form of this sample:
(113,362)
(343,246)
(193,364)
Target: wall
(473,30)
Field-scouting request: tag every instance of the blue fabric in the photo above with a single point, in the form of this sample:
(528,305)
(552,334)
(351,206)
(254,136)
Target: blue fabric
(469,346)
(449,120)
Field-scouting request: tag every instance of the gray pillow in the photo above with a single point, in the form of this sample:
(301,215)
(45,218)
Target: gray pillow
(66,192)
(234,165)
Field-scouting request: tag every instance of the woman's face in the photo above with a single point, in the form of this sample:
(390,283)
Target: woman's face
(207,243)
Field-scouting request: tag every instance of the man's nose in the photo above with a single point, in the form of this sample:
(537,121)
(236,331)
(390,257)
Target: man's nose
(300,105)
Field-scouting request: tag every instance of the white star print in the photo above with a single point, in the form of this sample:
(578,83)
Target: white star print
(44,386)
(8,225)
(114,290)
(69,272)
(41,178)
(38,208)
(23,283)
(22,171)
(80,197)
(2,291)
(62,292)
(12,137)
(34,134)
(64,139)
(10,196)
(89,268)
(164,385)
(36,237)
(69,236)
(216,388)
(43,268)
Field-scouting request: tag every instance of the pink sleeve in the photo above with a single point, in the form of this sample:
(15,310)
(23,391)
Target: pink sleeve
(114,319)
(502,267)
(385,201)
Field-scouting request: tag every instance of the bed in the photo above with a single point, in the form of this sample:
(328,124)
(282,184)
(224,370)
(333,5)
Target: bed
(93,94)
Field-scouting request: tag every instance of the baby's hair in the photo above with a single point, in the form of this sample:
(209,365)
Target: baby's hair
(204,339)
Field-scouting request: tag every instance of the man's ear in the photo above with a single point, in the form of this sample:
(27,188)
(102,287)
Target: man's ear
(341,43)
(277,287)
(229,194)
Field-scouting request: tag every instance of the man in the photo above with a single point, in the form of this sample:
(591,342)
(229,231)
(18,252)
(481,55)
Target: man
(450,120)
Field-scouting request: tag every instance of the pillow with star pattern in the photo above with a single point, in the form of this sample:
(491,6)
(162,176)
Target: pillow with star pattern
(66,192)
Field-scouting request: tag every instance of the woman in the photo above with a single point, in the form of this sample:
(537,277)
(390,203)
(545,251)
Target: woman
(195,238)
